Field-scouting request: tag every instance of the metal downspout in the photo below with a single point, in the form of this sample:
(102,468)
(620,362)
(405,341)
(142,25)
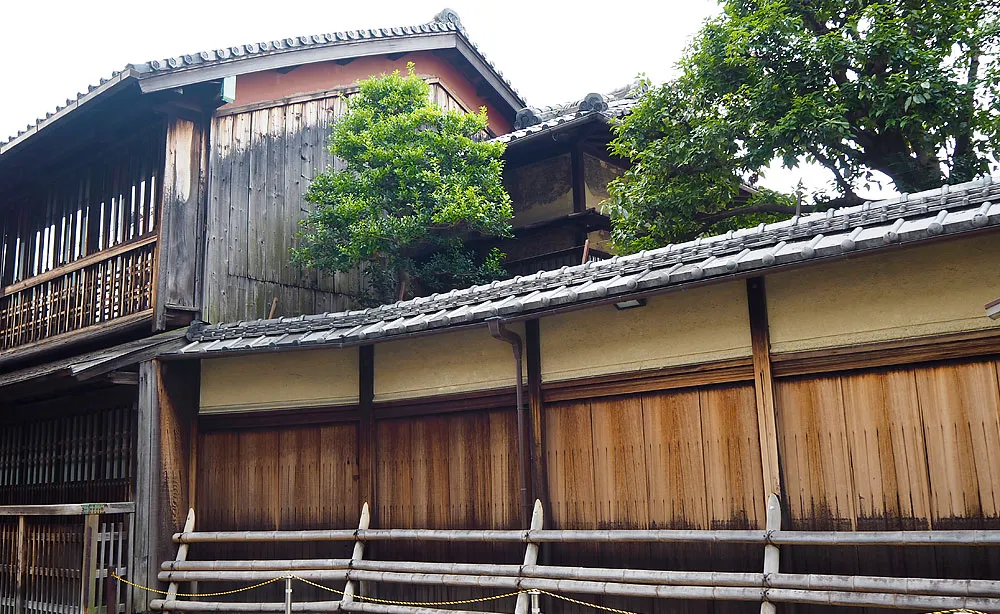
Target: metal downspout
(499,331)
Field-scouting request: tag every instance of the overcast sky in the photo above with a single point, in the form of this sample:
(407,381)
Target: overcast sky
(552,51)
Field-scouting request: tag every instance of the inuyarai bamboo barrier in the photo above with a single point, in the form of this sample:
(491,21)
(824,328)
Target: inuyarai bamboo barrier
(768,587)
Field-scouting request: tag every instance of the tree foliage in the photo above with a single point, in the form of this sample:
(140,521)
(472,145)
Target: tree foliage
(905,87)
(416,181)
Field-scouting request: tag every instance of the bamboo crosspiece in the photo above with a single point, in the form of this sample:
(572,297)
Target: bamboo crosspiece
(358,553)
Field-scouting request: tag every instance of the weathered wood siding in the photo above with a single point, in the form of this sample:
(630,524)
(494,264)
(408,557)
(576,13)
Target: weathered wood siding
(893,449)
(889,449)
(448,471)
(262,162)
(261,165)
(684,458)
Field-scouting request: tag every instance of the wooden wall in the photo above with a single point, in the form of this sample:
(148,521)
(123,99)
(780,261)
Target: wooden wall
(263,158)
(261,164)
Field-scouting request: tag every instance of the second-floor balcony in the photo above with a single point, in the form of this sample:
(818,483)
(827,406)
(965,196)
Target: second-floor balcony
(78,251)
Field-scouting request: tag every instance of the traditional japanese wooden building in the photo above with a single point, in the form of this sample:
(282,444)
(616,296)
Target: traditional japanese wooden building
(169,192)
(840,362)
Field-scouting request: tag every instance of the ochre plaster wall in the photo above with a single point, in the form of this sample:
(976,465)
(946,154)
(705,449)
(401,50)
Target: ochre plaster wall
(446,363)
(319,76)
(692,326)
(279,380)
(927,290)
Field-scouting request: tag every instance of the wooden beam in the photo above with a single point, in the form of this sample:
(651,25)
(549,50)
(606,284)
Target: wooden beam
(368,446)
(764,386)
(579,180)
(179,252)
(536,407)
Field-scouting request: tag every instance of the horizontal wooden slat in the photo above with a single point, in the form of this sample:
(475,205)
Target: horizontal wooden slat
(68,509)
(722,372)
(76,265)
(888,353)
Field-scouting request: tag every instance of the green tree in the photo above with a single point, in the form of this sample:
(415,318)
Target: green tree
(417,181)
(905,87)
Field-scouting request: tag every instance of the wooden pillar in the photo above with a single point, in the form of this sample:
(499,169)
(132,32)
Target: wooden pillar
(88,568)
(367,445)
(168,407)
(764,386)
(180,255)
(533,355)
(143,569)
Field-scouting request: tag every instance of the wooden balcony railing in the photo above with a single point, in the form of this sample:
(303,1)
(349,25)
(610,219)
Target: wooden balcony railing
(58,559)
(109,284)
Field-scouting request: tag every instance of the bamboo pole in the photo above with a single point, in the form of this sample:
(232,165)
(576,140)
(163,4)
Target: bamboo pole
(771,553)
(358,554)
(314,606)
(875,584)
(779,538)
(530,555)
(182,552)
(315,575)
(726,593)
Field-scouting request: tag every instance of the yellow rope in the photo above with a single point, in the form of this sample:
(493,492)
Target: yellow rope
(431,603)
(219,594)
(413,603)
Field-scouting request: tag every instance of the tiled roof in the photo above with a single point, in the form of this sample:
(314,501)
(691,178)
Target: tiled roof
(445,21)
(872,226)
(532,121)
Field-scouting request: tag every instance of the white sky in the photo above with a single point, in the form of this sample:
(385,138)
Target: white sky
(552,51)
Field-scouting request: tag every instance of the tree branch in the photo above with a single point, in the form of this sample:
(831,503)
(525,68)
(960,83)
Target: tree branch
(828,163)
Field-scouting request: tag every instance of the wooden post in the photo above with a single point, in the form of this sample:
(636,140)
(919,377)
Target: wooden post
(367,452)
(771,553)
(533,355)
(110,594)
(760,341)
(357,555)
(22,565)
(144,566)
(530,555)
(182,553)
(88,569)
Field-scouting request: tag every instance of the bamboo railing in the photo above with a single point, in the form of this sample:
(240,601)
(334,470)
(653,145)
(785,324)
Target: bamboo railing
(59,558)
(768,587)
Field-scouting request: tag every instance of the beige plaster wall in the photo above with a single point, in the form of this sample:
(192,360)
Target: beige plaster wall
(447,363)
(687,327)
(926,290)
(279,380)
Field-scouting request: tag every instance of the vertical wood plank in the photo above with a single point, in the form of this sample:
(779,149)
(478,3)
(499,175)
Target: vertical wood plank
(733,473)
(620,475)
(675,458)
(569,457)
